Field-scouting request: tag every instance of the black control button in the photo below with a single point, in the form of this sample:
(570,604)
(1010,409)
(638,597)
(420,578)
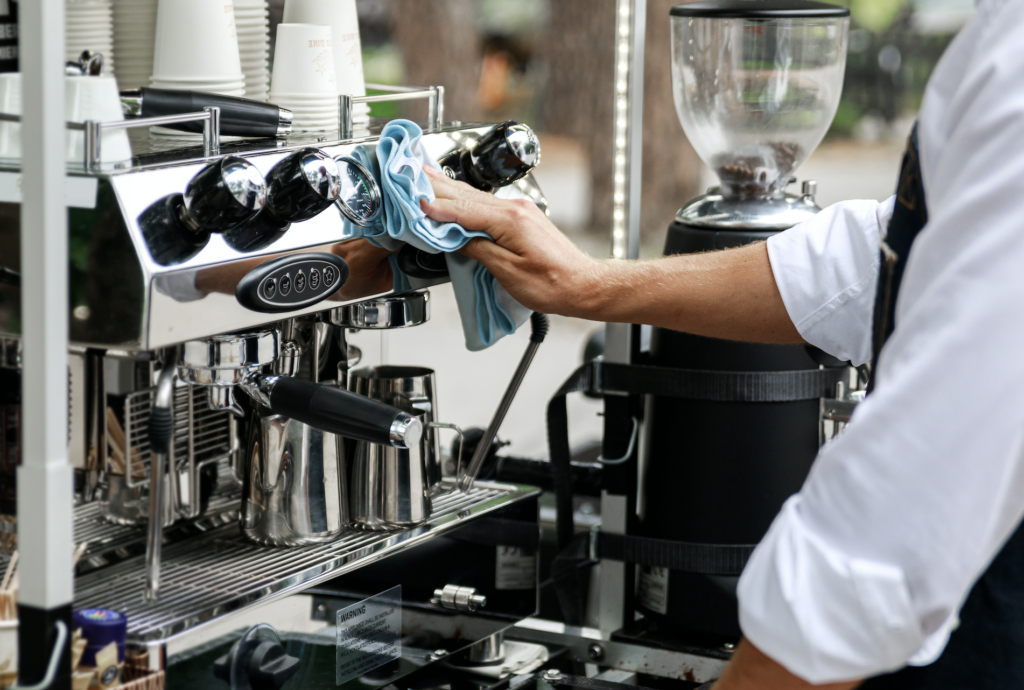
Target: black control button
(291,282)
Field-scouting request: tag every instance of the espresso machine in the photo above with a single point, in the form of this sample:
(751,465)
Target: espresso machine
(213,285)
(756,86)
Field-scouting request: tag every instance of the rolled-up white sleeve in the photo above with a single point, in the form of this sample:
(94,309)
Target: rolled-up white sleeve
(827,269)
(865,570)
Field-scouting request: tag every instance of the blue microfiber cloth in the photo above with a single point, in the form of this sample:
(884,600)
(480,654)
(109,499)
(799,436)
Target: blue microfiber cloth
(488,312)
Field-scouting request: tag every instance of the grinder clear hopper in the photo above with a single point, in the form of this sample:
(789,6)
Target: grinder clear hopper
(757,83)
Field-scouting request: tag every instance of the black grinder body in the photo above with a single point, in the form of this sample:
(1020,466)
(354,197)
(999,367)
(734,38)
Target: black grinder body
(717,472)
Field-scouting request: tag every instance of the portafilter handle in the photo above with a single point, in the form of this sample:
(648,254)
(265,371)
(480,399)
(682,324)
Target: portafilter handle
(339,412)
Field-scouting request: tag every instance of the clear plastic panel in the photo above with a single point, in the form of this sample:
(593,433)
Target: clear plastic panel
(756,96)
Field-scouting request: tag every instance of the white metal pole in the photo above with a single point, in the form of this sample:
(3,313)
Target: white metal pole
(45,479)
(628,133)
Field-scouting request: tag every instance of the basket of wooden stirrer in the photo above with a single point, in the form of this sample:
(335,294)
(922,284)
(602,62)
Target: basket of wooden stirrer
(133,674)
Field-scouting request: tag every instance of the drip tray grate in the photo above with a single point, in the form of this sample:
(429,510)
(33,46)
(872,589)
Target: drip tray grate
(220,572)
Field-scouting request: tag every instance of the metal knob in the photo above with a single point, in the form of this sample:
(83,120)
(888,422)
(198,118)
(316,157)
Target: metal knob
(302,185)
(225,194)
(456,598)
(500,157)
(809,188)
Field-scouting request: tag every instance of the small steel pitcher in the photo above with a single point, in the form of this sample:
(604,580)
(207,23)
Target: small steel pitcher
(390,487)
(294,488)
(411,389)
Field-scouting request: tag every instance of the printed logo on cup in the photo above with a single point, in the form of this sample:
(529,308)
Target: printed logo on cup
(109,675)
(324,61)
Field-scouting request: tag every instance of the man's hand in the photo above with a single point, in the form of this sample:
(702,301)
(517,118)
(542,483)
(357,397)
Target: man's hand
(530,257)
(729,294)
(752,669)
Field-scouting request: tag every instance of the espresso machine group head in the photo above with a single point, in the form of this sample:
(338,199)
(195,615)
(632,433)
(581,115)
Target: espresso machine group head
(231,362)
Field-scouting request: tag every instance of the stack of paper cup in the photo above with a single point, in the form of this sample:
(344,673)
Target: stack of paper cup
(252,21)
(134,35)
(303,80)
(342,17)
(90,26)
(196,48)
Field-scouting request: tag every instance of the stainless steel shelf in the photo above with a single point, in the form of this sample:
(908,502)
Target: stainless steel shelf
(220,572)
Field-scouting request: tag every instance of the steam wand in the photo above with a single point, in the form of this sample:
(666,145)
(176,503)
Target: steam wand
(538,330)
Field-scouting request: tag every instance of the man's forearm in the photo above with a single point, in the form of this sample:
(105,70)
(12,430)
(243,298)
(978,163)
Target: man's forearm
(730,294)
(752,669)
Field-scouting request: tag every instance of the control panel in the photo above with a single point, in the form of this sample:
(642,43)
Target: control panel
(292,282)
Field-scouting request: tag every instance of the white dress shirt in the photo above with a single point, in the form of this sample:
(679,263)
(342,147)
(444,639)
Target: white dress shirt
(867,567)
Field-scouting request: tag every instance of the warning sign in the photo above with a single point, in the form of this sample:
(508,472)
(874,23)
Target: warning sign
(369,634)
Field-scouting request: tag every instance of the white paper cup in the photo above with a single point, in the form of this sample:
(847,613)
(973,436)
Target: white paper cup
(10,104)
(303,60)
(307,99)
(195,40)
(95,98)
(212,86)
(315,112)
(342,17)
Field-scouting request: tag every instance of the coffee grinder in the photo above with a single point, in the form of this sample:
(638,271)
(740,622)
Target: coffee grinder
(757,83)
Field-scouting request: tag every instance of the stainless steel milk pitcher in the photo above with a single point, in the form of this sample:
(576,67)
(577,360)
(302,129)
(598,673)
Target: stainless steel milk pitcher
(411,389)
(390,487)
(295,491)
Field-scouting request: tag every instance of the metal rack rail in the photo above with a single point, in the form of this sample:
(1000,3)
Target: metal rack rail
(212,575)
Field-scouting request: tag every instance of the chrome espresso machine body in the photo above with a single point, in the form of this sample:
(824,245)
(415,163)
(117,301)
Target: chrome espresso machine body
(211,289)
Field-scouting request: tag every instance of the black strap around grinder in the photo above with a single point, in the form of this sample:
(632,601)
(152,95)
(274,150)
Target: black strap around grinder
(692,384)
(691,557)
(721,386)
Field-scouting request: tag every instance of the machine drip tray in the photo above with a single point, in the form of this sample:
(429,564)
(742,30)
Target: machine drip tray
(220,572)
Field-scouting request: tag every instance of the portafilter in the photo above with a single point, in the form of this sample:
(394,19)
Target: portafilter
(237,362)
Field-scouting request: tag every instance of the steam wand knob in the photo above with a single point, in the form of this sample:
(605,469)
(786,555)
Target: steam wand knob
(505,154)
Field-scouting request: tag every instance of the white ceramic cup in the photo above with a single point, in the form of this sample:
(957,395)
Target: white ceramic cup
(303,61)
(195,40)
(342,17)
(95,98)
